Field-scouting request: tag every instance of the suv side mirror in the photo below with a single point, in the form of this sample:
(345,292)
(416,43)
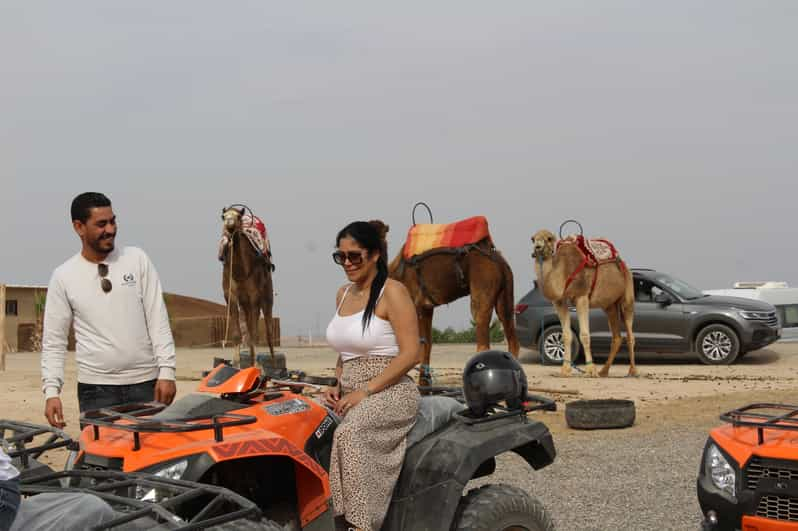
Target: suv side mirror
(663,299)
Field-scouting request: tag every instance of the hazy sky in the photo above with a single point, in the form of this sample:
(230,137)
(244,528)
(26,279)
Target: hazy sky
(669,127)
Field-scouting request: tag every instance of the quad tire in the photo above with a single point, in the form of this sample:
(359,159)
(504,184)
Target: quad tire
(599,414)
(500,507)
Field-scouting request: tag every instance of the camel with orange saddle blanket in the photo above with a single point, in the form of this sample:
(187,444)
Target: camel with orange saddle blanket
(440,263)
(592,275)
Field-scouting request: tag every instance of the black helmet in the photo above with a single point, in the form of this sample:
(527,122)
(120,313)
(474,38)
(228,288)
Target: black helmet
(493,376)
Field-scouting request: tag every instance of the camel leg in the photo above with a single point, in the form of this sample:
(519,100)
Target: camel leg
(508,324)
(481,311)
(615,328)
(252,313)
(628,319)
(583,314)
(233,327)
(267,317)
(425,333)
(567,335)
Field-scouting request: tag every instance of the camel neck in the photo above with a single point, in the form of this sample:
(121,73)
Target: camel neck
(242,256)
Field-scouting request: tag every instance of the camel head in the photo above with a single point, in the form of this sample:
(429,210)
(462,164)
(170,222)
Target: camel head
(231,218)
(543,244)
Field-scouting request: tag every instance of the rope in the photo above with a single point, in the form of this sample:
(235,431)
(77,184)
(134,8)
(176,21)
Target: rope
(229,294)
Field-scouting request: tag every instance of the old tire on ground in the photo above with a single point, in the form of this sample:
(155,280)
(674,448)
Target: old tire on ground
(552,349)
(600,414)
(500,507)
(717,344)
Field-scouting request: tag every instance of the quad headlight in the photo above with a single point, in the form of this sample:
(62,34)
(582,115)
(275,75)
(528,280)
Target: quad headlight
(718,469)
(174,471)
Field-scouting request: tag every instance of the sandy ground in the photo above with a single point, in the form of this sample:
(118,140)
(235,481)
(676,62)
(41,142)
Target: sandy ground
(678,402)
(660,382)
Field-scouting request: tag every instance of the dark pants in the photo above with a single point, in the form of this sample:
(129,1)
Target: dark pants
(93,396)
(9,502)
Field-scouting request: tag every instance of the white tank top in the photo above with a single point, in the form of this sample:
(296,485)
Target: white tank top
(346,335)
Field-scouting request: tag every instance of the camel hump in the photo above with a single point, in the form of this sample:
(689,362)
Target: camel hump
(424,237)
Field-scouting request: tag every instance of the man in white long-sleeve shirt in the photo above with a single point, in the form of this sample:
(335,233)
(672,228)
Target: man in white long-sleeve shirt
(124,347)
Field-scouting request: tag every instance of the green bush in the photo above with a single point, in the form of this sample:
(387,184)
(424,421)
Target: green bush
(450,335)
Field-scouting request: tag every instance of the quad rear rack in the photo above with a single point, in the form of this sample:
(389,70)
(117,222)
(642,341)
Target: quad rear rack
(19,440)
(122,491)
(131,415)
(495,412)
(748,416)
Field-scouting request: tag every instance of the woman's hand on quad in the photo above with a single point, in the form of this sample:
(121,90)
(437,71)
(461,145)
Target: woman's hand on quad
(331,396)
(349,401)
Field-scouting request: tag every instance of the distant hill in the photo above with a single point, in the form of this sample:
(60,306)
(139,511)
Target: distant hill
(181,306)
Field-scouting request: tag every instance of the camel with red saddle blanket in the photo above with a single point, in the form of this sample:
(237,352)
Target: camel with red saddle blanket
(247,274)
(440,263)
(592,275)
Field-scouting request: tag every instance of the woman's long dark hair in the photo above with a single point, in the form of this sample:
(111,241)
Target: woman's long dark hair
(370,235)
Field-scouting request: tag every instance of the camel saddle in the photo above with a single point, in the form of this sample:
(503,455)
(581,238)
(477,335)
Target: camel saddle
(456,239)
(422,238)
(255,231)
(595,252)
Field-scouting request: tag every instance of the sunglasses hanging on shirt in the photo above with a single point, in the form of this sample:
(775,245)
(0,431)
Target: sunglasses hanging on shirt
(105,283)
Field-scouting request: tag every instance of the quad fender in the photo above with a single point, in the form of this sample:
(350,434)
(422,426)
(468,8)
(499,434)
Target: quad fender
(437,469)
(312,482)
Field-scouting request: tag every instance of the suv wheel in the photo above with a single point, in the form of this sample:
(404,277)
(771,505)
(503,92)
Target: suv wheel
(552,347)
(717,344)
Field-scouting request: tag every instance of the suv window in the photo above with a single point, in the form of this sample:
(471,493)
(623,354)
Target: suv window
(680,287)
(645,290)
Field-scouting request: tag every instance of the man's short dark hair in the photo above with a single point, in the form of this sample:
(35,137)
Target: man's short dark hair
(82,205)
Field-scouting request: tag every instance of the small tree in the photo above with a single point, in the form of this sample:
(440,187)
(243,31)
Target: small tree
(39,300)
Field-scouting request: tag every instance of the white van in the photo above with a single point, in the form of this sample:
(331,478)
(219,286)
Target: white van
(779,294)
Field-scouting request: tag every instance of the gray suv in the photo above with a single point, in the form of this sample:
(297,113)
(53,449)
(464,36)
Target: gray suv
(670,316)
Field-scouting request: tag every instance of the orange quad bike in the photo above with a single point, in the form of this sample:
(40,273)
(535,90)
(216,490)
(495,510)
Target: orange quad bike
(100,500)
(260,433)
(748,477)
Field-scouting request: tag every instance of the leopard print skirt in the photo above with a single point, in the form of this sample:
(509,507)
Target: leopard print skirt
(369,444)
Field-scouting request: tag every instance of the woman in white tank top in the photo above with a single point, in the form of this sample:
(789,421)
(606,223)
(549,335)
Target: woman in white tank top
(375,332)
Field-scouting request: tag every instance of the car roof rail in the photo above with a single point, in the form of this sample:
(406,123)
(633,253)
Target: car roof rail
(769,284)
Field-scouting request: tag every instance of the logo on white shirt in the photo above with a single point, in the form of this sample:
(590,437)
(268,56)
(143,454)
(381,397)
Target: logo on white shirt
(129,279)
